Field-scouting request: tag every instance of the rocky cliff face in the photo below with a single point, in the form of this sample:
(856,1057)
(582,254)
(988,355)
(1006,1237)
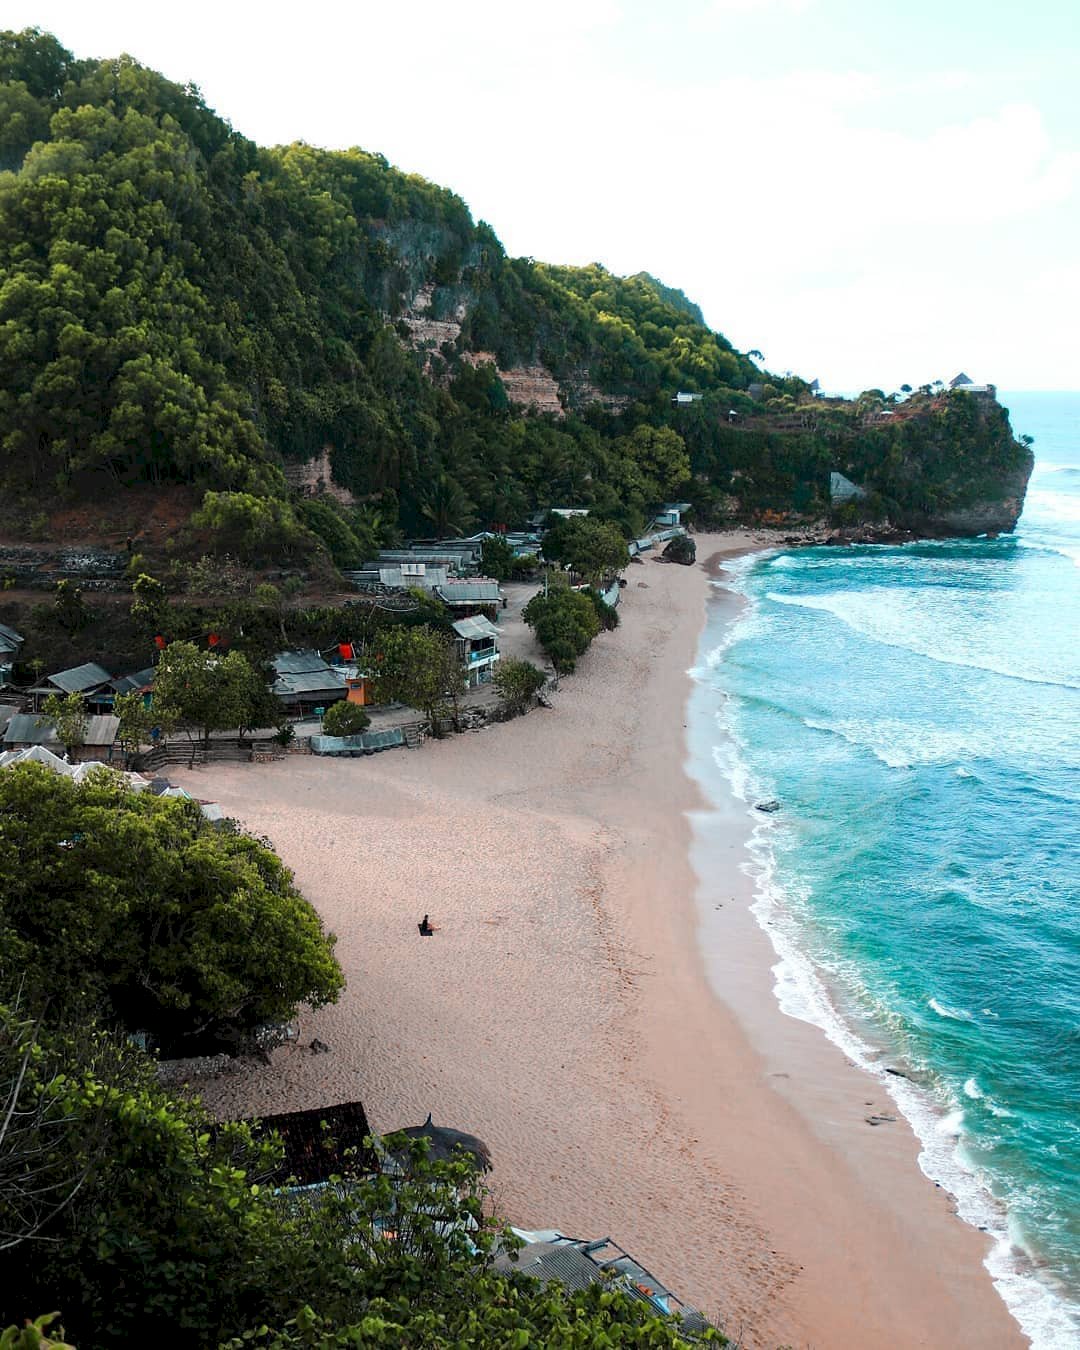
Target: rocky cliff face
(998,516)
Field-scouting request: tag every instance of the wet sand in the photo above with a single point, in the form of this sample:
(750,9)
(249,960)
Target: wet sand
(589,1011)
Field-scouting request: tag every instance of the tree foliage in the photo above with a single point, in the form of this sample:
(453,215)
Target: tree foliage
(208,691)
(182,1235)
(140,907)
(67,714)
(345,719)
(417,667)
(565,622)
(595,549)
(517,683)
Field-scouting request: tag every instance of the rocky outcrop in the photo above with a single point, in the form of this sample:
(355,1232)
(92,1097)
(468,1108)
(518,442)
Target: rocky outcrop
(316,476)
(997,515)
(533,387)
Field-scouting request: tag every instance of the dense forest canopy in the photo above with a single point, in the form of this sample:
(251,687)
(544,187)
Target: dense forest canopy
(180,305)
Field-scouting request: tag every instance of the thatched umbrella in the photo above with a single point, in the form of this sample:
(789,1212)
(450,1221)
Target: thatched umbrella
(444,1144)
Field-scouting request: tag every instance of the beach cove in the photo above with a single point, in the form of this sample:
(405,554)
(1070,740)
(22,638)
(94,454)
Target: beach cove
(598,1004)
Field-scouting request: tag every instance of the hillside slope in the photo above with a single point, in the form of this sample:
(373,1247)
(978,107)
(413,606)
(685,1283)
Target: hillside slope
(180,305)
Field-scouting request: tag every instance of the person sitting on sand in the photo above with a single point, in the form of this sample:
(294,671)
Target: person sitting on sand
(425,927)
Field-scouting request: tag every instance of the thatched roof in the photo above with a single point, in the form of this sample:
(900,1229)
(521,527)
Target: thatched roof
(447,1144)
(316,1141)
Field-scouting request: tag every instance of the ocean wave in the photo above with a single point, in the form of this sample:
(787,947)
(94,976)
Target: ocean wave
(951,1124)
(801,991)
(879,614)
(953,1014)
(973,1090)
(899,744)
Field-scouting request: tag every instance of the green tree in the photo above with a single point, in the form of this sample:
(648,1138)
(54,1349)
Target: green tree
(517,683)
(206,691)
(72,613)
(145,910)
(496,558)
(446,508)
(137,720)
(67,714)
(660,456)
(593,548)
(345,719)
(150,603)
(418,667)
(565,622)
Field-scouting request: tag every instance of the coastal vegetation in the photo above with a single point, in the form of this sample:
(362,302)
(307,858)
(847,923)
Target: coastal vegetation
(138,910)
(565,622)
(517,683)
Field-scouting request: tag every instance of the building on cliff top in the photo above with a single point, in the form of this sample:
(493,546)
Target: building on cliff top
(966,385)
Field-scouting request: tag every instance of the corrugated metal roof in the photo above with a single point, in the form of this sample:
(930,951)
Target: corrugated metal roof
(79,679)
(23,729)
(298,663)
(478,627)
(102,730)
(126,684)
(305,673)
(9,639)
(470,593)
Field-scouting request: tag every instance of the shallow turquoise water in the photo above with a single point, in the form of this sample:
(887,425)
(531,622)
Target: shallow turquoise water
(916,710)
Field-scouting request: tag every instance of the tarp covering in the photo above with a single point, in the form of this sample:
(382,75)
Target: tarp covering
(366,743)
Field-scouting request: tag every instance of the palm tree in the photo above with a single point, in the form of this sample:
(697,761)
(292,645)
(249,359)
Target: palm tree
(446,507)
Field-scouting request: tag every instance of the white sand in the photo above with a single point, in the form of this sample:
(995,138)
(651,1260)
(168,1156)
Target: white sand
(562,1012)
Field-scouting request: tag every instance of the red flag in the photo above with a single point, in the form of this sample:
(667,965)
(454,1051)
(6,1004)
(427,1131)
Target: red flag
(213,639)
(159,643)
(345,650)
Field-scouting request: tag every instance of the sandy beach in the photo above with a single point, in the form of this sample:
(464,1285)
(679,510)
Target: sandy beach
(597,1004)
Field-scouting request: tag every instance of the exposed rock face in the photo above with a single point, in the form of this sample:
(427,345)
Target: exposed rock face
(426,333)
(316,476)
(985,517)
(533,387)
(527,386)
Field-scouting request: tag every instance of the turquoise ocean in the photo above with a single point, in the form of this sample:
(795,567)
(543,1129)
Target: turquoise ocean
(916,711)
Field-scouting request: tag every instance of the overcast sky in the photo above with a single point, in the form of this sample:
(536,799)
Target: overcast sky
(871,192)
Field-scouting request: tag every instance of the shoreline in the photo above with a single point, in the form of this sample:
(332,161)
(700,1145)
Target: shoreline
(565,1012)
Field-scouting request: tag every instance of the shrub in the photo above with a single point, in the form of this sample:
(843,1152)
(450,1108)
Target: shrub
(345,719)
(565,622)
(517,683)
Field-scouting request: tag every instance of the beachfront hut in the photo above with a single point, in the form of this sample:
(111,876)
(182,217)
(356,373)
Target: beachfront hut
(446,1145)
(99,738)
(477,642)
(471,597)
(305,683)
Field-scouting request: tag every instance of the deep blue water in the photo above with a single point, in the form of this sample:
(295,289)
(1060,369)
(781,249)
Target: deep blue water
(916,710)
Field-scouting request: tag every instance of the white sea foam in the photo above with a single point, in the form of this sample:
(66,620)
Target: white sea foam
(933,624)
(951,1124)
(802,992)
(973,1090)
(953,1014)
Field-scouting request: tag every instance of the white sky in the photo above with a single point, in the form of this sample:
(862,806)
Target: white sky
(871,192)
